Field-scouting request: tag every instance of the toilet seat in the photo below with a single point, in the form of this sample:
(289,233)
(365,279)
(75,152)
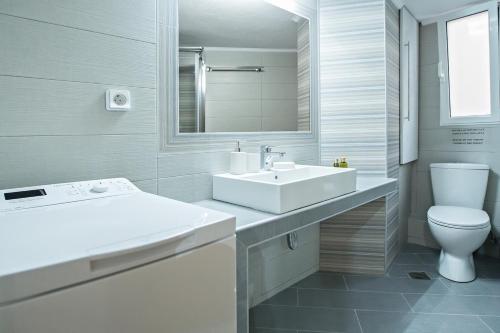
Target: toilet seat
(458,217)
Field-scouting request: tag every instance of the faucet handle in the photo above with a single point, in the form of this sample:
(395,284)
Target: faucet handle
(268,163)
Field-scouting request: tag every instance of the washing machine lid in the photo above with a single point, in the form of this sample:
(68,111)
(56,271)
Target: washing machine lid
(54,236)
(458,217)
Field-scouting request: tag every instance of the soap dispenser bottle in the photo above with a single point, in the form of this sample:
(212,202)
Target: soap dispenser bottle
(343,163)
(238,162)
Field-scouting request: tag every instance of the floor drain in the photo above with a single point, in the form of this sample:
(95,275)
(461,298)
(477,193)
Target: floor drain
(419,275)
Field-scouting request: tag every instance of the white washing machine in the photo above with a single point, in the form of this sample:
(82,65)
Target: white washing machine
(105,257)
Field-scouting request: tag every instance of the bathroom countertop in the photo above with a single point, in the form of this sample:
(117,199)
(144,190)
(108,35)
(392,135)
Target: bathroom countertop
(253,226)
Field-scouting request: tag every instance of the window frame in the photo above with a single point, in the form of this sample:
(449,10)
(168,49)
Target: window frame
(443,71)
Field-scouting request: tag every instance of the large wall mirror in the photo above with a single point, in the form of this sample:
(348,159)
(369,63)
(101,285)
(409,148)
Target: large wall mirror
(243,67)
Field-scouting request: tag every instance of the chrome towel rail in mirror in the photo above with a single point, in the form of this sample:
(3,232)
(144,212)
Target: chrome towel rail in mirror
(235,69)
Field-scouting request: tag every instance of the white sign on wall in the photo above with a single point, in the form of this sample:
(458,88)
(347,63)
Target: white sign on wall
(467,136)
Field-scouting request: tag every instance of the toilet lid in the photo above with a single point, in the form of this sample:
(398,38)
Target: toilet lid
(458,217)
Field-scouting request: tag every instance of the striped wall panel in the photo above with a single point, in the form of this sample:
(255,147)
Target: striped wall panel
(187,92)
(392,111)
(303,78)
(360,120)
(392,88)
(354,241)
(353,84)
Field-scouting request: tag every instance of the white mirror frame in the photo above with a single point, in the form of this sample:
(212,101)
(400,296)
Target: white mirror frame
(445,114)
(168,71)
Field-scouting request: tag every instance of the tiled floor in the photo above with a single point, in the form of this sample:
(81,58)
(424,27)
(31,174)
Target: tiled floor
(328,302)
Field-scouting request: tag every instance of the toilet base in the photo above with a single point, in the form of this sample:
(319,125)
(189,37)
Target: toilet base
(456,268)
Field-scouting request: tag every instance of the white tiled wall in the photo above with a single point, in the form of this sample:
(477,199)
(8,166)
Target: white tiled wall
(54,72)
(251,101)
(56,63)
(436,144)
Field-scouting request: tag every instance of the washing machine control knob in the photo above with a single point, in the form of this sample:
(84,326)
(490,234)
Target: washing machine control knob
(99,188)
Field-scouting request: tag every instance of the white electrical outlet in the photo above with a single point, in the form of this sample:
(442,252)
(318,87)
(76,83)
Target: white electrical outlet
(117,100)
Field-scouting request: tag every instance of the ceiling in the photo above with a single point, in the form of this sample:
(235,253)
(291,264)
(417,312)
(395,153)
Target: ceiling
(236,23)
(425,10)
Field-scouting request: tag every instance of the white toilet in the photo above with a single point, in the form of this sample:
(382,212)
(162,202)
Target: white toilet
(457,220)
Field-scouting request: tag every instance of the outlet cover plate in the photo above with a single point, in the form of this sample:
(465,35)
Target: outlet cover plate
(117,100)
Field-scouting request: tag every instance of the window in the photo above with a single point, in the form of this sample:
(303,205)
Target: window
(469,65)
(468,55)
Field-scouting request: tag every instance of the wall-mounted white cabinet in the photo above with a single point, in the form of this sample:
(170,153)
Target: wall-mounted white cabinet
(409,49)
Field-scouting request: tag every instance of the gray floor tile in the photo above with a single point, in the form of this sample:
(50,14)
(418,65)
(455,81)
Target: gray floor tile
(402,270)
(322,303)
(488,270)
(407,259)
(428,258)
(454,304)
(353,300)
(322,280)
(286,297)
(414,248)
(493,323)
(270,330)
(304,318)
(398,322)
(390,284)
(488,287)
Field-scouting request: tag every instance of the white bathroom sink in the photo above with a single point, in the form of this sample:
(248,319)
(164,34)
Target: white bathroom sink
(280,191)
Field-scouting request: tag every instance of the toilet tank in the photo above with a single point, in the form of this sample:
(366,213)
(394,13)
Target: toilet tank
(459,184)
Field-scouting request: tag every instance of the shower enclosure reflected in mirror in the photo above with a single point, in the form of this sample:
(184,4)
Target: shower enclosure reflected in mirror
(244,66)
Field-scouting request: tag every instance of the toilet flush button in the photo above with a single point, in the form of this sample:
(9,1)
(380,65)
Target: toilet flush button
(99,188)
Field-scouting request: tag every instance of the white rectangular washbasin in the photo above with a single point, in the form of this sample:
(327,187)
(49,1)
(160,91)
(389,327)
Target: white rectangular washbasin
(280,191)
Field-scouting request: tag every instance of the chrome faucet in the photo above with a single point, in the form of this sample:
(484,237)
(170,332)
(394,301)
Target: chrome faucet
(266,156)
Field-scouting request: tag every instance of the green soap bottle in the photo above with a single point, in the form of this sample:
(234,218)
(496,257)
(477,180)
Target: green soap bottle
(343,163)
